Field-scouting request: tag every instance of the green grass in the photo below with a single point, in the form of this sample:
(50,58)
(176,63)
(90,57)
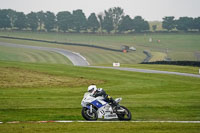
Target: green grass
(93,56)
(30,55)
(100,127)
(174,41)
(148,96)
(37,92)
(37,85)
(158,56)
(175,46)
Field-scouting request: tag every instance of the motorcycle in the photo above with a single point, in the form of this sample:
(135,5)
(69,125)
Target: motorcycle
(94,108)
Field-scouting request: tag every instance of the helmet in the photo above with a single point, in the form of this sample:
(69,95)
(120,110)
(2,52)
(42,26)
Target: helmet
(92,88)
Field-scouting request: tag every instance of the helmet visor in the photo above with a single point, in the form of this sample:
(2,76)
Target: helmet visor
(91,90)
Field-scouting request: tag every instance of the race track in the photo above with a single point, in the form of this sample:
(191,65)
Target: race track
(148,71)
(75,58)
(79,60)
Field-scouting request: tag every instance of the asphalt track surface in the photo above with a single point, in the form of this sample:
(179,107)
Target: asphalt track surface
(75,58)
(148,71)
(78,60)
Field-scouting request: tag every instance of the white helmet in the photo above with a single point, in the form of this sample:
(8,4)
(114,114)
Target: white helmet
(92,88)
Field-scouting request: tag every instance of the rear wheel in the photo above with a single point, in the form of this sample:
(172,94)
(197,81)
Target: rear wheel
(88,115)
(125,115)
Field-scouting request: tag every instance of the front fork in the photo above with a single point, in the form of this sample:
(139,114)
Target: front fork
(90,108)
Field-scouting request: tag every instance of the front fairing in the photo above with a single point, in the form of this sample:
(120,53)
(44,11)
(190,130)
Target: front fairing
(87,99)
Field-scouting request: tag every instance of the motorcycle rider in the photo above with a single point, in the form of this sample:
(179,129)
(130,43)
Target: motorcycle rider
(95,92)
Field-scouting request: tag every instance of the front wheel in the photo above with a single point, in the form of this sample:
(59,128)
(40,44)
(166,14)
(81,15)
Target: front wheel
(88,115)
(124,116)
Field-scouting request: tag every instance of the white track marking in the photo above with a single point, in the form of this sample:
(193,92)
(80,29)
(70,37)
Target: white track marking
(13,122)
(64,121)
(168,121)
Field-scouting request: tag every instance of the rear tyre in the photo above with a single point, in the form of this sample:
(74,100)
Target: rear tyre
(124,116)
(89,116)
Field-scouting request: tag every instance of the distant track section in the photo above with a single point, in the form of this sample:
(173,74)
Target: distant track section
(79,60)
(75,58)
(149,56)
(64,43)
(147,71)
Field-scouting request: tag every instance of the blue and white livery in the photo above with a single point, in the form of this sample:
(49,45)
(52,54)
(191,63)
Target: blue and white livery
(94,108)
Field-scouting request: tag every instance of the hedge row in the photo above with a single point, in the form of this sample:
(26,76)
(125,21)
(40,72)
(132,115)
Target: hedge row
(181,63)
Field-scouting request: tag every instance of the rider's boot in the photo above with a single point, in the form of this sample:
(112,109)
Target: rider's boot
(116,107)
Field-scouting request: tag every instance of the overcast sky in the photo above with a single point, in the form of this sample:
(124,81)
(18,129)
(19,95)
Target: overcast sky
(149,9)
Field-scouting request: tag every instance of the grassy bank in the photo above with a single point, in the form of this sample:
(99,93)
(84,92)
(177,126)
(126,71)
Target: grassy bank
(30,55)
(38,85)
(54,92)
(93,55)
(100,127)
(174,46)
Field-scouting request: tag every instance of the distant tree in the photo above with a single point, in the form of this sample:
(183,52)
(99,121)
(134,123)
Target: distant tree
(12,16)
(168,23)
(32,21)
(116,14)
(139,24)
(4,19)
(79,20)
(93,23)
(50,21)
(64,20)
(184,23)
(126,24)
(107,23)
(197,23)
(145,26)
(41,19)
(21,21)
(154,27)
(100,17)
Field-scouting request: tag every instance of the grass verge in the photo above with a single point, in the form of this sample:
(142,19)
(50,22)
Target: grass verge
(148,96)
(100,127)
(175,46)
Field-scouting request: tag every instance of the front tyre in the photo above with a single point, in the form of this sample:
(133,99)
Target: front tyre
(89,116)
(124,116)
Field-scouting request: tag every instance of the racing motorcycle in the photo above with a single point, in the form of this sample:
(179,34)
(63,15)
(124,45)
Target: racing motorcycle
(94,108)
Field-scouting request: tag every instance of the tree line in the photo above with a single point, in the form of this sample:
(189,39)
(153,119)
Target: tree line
(111,20)
(182,24)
